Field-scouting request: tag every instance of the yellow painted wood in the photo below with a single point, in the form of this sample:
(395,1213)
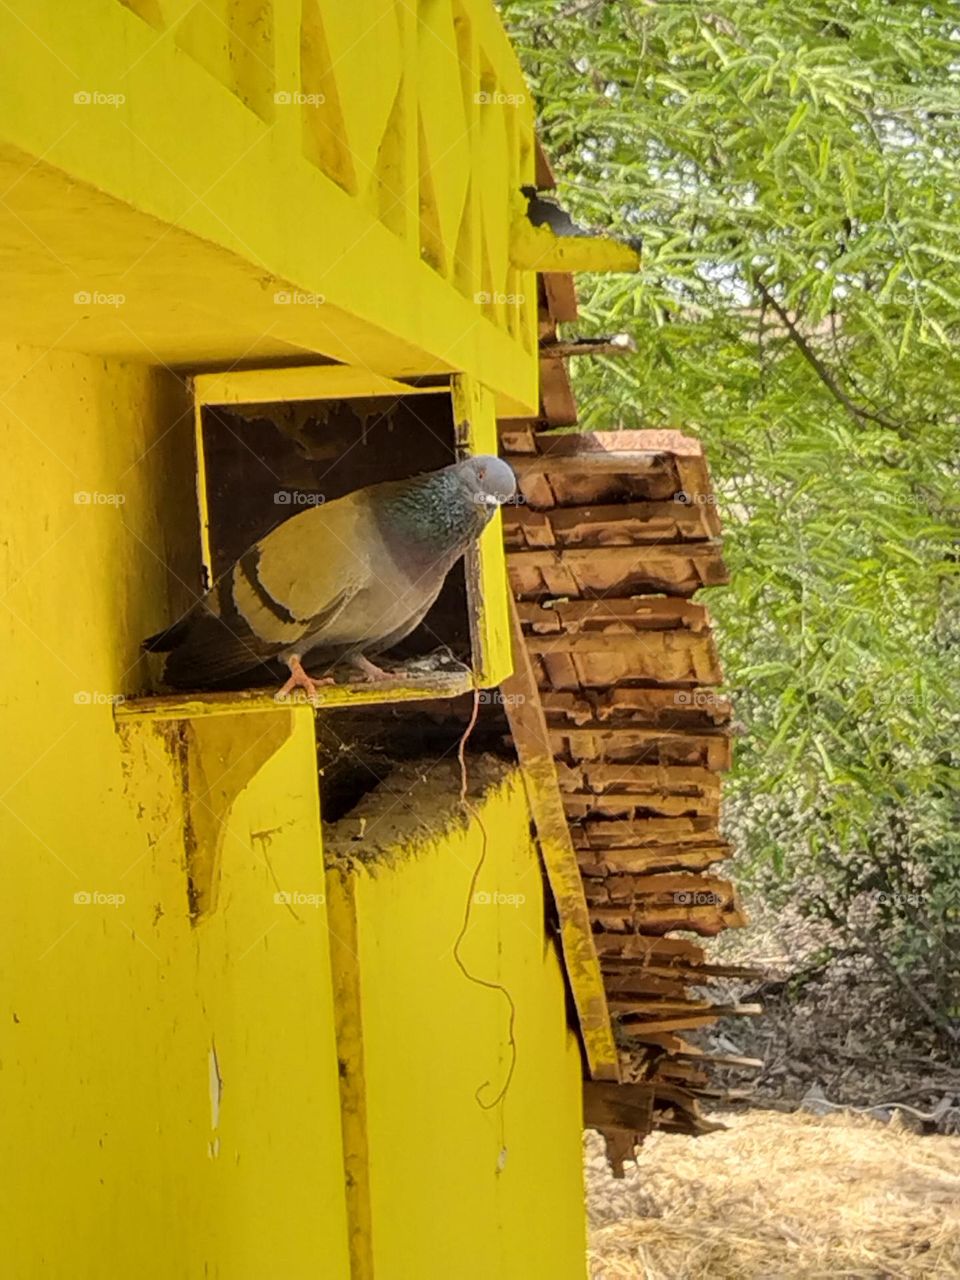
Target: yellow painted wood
(269,181)
(217,759)
(445,1186)
(170,1082)
(475,428)
(192,706)
(538,249)
(202,186)
(487,589)
(202,489)
(310,382)
(349,998)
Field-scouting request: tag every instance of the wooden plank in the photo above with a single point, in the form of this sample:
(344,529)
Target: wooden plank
(556,394)
(627,641)
(695,485)
(607,834)
(543,170)
(680,569)
(598,660)
(729,1060)
(190,706)
(620,949)
(599,444)
(678,710)
(598,778)
(525,714)
(615,344)
(642,983)
(613,861)
(623,523)
(654,613)
(561,295)
(614,1106)
(649,462)
(302,382)
(681,1023)
(637,807)
(650,777)
(644,916)
(618,889)
(718,1010)
(620,971)
(682,885)
(712,751)
(643,1005)
(517,435)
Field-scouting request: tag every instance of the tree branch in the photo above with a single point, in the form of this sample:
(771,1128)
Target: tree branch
(856,411)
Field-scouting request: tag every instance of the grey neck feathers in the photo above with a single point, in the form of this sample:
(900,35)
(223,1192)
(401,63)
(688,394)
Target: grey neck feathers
(430,518)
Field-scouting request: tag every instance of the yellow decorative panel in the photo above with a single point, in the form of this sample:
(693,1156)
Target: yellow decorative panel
(233,40)
(359,160)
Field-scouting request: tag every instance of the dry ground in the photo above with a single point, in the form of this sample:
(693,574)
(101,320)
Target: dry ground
(779,1196)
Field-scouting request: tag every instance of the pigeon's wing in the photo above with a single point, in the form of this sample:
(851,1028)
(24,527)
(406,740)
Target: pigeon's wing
(276,597)
(386,642)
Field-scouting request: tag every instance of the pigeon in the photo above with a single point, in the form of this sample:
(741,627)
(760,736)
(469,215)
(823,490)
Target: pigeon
(544,212)
(336,582)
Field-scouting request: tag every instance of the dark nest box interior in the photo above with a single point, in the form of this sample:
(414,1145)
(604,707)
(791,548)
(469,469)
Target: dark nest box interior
(265,462)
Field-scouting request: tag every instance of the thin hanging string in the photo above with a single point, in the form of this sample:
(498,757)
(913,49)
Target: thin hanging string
(481,982)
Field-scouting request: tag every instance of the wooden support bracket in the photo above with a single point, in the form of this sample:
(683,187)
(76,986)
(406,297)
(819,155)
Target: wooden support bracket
(527,724)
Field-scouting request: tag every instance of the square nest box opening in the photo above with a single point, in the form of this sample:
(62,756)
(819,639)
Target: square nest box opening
(273,443)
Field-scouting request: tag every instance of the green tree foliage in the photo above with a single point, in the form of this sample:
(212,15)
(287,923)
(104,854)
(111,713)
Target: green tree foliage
(794,170)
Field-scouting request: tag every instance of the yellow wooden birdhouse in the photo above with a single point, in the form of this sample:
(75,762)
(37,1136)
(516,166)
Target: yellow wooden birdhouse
(287,992)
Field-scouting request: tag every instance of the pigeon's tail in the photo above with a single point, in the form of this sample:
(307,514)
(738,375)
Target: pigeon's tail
(167,639)
(204,652)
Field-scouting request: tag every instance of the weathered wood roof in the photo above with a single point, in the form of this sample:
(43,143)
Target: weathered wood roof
(614,533)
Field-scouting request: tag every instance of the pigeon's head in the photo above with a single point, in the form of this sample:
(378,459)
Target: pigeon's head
(489,480)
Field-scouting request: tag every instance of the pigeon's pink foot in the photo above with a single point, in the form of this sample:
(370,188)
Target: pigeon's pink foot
(300,680)
(369,670)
